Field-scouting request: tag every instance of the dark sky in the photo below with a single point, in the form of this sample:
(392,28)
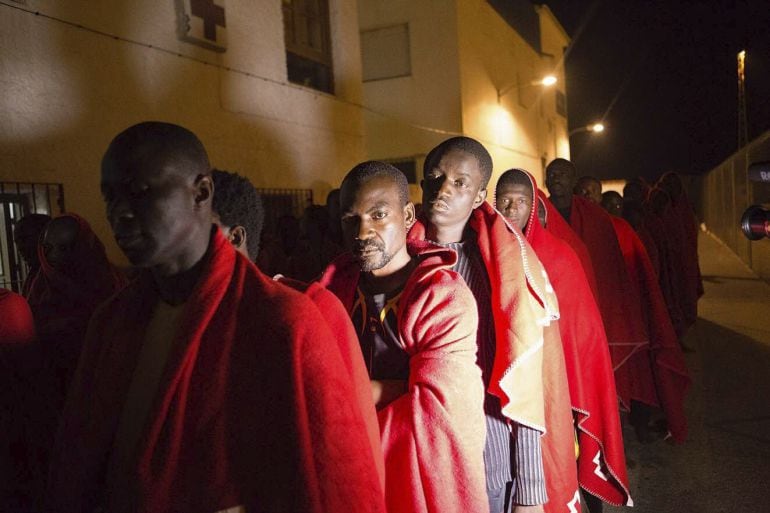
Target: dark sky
(662,75)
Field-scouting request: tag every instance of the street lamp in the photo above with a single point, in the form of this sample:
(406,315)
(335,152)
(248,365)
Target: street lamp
(594,127)
(546,81)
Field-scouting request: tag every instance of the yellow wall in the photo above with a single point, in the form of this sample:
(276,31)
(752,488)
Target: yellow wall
(430,97)
(462,52)
(520,128)
(554,40)
(67,91)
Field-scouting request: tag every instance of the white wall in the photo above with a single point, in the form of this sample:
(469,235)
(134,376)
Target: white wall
(67,91)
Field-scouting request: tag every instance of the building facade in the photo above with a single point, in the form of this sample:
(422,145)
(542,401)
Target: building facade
(274,94)
(437,68)
(290,93)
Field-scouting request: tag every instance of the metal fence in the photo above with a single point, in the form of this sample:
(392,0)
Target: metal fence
(726,192)
(17,199)
(282,202)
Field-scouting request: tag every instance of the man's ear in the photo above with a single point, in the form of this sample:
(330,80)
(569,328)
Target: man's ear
(481,196)
(237,236)
(409,215)
(204,189)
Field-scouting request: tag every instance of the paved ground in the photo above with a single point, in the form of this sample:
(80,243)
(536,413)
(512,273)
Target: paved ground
(725,464)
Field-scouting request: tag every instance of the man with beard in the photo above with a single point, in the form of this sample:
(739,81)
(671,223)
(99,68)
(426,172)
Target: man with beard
(416,325)
(527,388)
(601,460)
(204,385)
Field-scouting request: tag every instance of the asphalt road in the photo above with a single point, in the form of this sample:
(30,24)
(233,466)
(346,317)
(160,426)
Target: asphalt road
(724,466)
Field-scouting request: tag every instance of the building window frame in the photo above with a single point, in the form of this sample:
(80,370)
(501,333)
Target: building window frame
(307,37)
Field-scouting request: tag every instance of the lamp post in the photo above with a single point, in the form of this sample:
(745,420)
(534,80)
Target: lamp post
(546,81)
(593,127)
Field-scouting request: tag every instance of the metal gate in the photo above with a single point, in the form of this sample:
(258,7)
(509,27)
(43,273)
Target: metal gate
(17,199)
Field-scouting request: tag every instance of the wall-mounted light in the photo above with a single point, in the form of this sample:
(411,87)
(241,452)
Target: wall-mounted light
(546,81)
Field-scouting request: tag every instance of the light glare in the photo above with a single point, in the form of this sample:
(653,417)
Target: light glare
(548,81)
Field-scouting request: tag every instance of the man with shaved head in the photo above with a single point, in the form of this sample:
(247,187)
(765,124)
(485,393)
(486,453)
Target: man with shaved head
(203,385)
(416,323)
(527,392)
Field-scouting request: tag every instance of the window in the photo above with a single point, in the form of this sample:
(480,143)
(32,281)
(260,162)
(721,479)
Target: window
(283,202)
(17,199)
(308,43)
(385,53)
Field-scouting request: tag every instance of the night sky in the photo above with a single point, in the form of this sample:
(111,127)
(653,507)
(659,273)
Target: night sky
(662,75)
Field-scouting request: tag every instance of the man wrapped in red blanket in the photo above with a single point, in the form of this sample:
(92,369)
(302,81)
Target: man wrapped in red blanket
(601,460)
(416,323)
(75,276)
(529,452)
(203,385)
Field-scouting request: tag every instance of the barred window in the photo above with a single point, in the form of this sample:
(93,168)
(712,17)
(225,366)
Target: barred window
(308,43)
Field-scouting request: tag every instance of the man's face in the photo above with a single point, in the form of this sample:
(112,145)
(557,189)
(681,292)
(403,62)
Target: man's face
(150,205)
(590,190)
(59,242)
(613,204)
(375,224)
(559,180)
(514,201)
(452,189)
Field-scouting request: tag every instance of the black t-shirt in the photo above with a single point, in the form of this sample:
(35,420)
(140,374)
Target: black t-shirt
(375,318)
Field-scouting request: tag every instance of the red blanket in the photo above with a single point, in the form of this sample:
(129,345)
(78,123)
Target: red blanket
(620,310)
(680,219)
(19,470)
(62,301)
(336,316)
(667,380)
(667,268)
(528,374)
(556,225)
(17,326)
(432,436)
(255,407)
(601,461)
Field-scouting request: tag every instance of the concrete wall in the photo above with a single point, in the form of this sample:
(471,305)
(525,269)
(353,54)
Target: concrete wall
(725,195)
(414,113)
(67,91)
(520,128)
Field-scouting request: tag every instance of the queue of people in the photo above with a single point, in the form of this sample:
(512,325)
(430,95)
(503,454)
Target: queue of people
(471,354)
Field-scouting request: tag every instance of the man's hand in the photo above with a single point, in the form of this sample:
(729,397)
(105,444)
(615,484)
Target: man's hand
(386,391)
(538,508)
